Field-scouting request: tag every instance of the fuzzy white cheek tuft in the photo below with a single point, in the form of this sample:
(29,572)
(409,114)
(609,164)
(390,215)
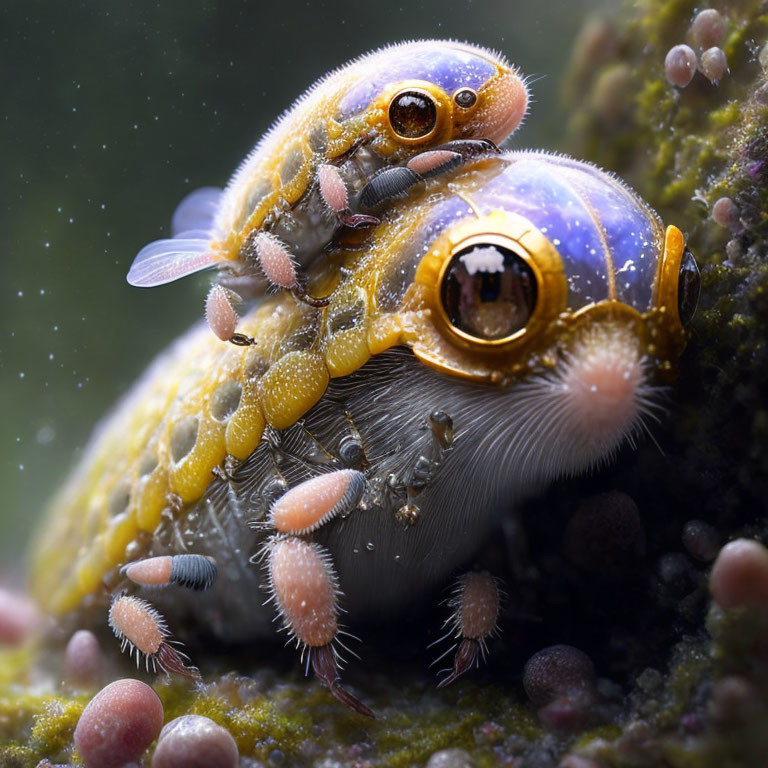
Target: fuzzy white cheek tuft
(602,382)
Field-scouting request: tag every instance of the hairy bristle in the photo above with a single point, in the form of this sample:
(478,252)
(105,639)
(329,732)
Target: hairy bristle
(196,572)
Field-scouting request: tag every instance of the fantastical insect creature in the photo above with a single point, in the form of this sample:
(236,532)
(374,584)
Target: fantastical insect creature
(379,110)
(496,331)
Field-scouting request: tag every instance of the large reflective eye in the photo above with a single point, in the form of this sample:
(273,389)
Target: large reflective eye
(488,292)
(412,114)
(688,287)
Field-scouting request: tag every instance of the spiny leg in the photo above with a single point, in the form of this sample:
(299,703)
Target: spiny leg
(143,630)
(475,611)
(305,591)
(301,578)
(139,625)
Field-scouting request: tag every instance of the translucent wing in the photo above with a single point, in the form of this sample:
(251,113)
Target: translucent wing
(196,211)
(164,261)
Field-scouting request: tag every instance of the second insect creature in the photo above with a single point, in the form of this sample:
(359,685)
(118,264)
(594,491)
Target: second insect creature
(377,111)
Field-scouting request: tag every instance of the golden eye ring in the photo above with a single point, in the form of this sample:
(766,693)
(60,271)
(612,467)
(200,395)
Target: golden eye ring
(418,112)
(512,234)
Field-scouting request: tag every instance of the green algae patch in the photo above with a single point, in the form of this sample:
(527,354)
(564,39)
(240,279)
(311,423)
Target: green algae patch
(476,721)
(33,726)
(55,725)
(691,664)
(679,147)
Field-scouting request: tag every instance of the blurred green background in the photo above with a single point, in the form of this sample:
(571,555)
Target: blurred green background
(111,113)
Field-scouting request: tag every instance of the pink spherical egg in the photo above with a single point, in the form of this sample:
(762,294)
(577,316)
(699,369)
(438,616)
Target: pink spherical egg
(194,741)
(18,617)
(118,724)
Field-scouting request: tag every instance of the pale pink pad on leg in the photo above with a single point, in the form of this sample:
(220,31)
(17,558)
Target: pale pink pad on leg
(425,162)
(140,627)
(220,314)
(332,188)
(275,260)
(152,572)
(308,505)
(305,590)
(136,621)
(479,607)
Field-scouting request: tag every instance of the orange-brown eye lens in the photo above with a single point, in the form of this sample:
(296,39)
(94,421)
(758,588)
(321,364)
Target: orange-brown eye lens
(465,98)
(488,292)
(412,115)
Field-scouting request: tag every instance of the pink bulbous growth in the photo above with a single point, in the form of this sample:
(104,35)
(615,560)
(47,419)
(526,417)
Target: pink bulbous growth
(83,664)
(428,161)
(739,576)
(479,606)
(559,672)
(142,630)
(18,617)
(118,724)
(502,116)
(680,65)
(727,214)
(708,29)
(305,591)
(714,64)
(151,572)
(332,188)
(194,741)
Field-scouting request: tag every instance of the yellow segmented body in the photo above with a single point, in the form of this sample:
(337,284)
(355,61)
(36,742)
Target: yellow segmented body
(203,401)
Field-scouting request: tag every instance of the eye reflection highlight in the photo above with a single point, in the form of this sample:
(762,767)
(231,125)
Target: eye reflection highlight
(488,292)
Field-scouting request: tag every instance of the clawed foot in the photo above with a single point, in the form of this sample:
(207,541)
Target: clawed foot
(356,220)
(324,664)
(474,614)
(466,657)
